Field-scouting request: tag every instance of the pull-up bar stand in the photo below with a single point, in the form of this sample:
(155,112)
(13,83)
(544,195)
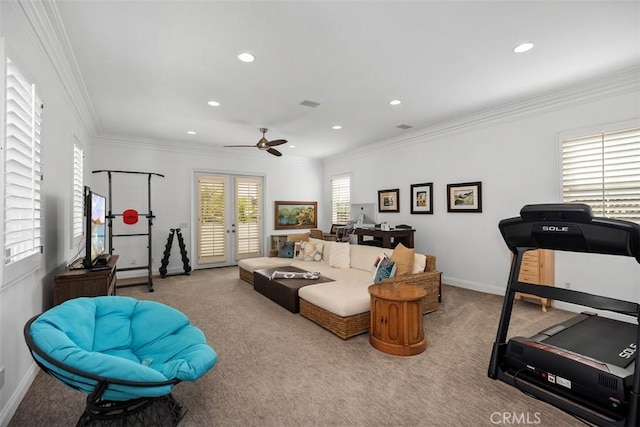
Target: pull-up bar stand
(149,215)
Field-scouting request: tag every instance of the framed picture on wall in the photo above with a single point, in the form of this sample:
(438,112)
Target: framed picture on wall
(422,198)
(294,215)
(464,197)
(389,200)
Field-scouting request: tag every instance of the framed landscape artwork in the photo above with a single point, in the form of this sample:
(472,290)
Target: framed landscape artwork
(464,197)
(294,215)
(422,198)
(389,200)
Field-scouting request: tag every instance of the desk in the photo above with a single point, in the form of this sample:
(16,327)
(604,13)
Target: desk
(85,283)
(398,235)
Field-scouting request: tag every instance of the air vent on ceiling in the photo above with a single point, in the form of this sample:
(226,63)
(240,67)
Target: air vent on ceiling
(310,104)
(404,127)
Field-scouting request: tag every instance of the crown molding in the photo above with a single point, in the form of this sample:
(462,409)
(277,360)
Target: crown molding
(45,21)
(191,147)
(619,82)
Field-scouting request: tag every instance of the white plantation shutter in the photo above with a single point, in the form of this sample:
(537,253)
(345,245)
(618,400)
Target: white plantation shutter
(23,169)
(211,219)
(248,198)
(78,191)
(603,171)
(340,199)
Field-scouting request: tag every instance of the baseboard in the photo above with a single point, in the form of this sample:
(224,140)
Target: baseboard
(473,286)
(14,401)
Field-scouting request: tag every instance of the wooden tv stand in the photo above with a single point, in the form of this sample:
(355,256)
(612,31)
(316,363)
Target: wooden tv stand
(85,283)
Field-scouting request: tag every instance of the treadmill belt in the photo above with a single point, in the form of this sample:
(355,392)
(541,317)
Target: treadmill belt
(599,338)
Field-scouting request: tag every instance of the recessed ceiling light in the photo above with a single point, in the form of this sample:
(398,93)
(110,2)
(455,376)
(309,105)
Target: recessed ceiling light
(292,146)
(524,47)
(336,127)
(191,132)
(246,57)
(214,103)
(395,102)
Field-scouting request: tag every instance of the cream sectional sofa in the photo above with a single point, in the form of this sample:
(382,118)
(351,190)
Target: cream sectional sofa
(342,306)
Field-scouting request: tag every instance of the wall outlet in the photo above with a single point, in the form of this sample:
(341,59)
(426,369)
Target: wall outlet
(567,285)
(1,377)
(183,225)
(133,262)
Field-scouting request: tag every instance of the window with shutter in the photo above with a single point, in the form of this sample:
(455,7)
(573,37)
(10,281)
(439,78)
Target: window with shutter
(77,198)
(603,171)
(23,168)
(340,199)
(248,197)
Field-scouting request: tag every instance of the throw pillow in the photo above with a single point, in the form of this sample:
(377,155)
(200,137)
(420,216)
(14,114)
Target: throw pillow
(308,251)
(376,263)
(286,249)
(419,263)
(298,237)
(386,269)
(403,257)
(339,255)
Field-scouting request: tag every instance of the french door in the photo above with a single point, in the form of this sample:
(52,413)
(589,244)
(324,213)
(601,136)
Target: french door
(229,219)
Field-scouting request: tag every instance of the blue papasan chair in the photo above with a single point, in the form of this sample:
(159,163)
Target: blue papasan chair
(125,354)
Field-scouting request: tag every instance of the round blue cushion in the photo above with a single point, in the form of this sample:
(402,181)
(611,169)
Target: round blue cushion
(122,338)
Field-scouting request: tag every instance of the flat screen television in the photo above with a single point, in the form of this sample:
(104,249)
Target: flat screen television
(364,214)
(95,229)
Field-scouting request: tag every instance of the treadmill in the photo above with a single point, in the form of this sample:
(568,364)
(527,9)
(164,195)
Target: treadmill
(584,366)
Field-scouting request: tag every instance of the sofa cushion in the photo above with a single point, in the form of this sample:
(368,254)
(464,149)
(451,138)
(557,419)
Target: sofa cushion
(253,264)
(363,257)
(403,257)
(347,296)
(339,255)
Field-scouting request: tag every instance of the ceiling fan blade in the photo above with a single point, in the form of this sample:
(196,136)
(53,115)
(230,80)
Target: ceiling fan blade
(276,142)
(253,146)
(274,152)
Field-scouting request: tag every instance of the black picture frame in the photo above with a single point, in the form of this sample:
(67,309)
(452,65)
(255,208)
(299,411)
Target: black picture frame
(422,198)
(464,197)
(389,200)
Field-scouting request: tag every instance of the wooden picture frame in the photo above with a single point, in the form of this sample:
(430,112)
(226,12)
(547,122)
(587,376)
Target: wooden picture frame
(464,197)
(295,215)
(422,198)
(389,200)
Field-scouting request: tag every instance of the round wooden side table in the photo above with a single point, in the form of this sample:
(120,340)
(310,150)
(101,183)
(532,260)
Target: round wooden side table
(396,319)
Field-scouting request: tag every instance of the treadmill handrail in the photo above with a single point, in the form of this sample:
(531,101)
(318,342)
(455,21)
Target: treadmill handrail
(570,227)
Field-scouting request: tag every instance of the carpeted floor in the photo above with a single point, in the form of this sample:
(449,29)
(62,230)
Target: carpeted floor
(276,368)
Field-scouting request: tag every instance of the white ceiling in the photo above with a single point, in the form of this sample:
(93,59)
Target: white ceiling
(149,67)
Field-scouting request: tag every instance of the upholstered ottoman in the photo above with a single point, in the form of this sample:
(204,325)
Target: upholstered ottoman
(283,291)
(247,266)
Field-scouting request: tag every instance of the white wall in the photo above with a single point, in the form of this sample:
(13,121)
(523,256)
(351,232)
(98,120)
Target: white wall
(285,178)
(516,159)
(32,293)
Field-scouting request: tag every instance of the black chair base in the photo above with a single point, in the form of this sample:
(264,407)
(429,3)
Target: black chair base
(151,411)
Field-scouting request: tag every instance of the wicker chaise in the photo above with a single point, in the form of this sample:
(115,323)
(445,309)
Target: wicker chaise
(346,327)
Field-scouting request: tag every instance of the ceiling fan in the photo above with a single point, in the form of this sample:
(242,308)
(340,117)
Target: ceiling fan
(265,145)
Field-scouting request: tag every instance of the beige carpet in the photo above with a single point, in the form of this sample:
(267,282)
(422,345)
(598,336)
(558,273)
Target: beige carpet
(276,368)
